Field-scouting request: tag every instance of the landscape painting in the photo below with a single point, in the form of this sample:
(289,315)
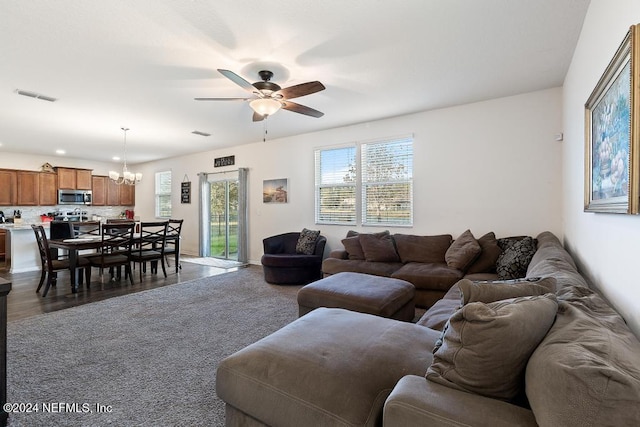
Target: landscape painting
(275,190)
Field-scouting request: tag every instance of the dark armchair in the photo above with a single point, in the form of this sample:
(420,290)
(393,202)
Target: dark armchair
(283,266)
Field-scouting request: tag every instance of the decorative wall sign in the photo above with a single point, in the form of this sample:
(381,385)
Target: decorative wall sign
(185,192)
(612,139)
(275,190)
(224,161)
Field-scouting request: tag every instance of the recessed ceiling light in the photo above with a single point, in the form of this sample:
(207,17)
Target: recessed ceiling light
(116,158)
(60,152)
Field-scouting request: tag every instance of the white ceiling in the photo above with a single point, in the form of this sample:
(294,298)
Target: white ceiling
(140,63)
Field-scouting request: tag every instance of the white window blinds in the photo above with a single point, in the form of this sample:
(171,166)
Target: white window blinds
(335,185)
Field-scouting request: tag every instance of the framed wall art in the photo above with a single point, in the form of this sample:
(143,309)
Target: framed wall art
(275,190)
(612,117)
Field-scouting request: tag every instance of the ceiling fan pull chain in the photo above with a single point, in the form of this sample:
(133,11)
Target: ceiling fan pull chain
(264,122)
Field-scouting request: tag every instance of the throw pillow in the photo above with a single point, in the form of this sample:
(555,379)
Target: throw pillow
(484,348)
(353,247)
(463,251)
(352,244)
(306,243)
(495,291)
(378,248)
(427,249)
(486,261)
(514,260)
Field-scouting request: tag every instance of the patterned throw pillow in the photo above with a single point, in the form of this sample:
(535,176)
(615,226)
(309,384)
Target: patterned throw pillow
(306,243)
(514,260)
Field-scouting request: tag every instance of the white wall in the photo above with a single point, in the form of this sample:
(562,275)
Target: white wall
(488,166)
(605,245)
(34,163)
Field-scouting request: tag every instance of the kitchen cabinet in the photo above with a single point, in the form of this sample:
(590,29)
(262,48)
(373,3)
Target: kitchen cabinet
(8,187)
(74,179)
(127,195)
(28,188)
(113,193)
(99,190)
(48,189)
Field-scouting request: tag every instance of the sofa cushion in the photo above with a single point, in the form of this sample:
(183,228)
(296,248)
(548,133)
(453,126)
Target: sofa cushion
(495,291)
(306,243)
(586,371)
(329,367)
(514,260)
(490,251)
(429,249)
(352,243)
(378,248)
(484,348)
(434,276)
(334,266)
(353,247)
(463,251)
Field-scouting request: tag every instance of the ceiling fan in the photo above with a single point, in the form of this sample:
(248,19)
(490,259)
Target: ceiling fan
(270,97)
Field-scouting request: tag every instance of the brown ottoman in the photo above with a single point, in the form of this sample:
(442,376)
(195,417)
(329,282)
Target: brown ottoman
(382,296)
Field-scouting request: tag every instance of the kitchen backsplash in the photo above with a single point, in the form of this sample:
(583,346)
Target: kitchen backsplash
(31,214)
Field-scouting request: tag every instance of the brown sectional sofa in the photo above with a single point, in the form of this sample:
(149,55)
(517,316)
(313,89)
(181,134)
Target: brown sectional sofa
(334,367)
(425,261)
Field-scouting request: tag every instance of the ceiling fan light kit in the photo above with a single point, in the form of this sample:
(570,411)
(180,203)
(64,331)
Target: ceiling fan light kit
(265,106)
(127,178)
(269,97)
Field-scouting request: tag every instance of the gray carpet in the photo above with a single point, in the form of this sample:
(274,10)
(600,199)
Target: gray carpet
(150,356)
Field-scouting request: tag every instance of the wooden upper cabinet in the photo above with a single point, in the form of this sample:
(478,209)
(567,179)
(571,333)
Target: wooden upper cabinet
(99,190)
(83,179)
(8,187)
(48,189)
(28,188)
(127,195)
(113,193)
(74,179)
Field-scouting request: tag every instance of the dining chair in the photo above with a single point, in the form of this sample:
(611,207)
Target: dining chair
(51,266)
(115,250)
(86,228)
(172,247)
(150,246)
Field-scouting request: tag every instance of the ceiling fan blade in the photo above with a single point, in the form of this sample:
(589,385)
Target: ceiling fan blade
(237,80)
(257,117)
(297,108)
(301,90)
(222,99)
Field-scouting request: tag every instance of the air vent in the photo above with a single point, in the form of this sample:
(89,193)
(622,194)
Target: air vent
(36,95)
(197,132)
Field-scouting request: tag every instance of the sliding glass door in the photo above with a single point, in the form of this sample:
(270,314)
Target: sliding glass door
(223,221)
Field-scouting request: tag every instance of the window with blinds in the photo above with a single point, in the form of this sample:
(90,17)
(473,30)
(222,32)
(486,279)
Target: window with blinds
(335,185)
(370,183)
(387,182)
(163,194)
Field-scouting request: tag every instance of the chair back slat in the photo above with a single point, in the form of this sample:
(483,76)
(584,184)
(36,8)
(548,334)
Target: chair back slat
(86,228)
(117,237)
(153,237)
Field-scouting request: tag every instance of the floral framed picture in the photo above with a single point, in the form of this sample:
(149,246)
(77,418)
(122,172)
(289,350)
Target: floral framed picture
(612,117)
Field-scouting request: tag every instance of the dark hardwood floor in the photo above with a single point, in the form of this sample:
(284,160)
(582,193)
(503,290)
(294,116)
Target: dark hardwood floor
(23,301)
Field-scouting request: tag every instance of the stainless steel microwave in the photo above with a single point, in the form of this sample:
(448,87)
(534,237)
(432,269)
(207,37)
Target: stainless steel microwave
(74,197)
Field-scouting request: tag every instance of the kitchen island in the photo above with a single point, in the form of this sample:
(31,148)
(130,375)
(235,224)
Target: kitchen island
(22,253)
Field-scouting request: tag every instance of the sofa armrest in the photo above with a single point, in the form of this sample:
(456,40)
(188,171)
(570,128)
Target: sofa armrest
(339,254)
(416,401)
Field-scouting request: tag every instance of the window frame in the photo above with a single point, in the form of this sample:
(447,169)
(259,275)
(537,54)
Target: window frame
(159,193)
(360,208)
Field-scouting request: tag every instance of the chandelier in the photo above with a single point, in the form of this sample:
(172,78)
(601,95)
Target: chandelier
(128,178)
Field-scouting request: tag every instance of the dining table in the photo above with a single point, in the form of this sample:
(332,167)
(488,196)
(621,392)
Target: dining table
(74,245)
